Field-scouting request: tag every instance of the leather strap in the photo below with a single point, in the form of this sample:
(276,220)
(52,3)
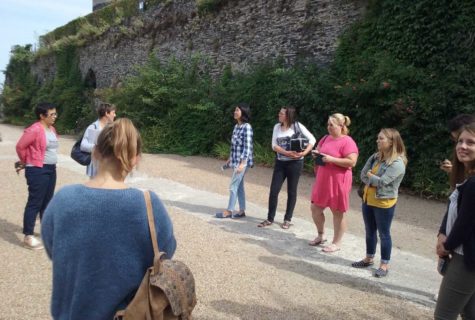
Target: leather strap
(151,224)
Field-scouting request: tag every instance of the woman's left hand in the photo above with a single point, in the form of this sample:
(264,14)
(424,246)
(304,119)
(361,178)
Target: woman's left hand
(369,174)
(328,159)
(240,168)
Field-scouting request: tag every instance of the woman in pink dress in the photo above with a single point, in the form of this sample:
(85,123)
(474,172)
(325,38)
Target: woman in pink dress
(336,154)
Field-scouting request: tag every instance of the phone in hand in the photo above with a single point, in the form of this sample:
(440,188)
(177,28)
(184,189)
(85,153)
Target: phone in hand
(319,160)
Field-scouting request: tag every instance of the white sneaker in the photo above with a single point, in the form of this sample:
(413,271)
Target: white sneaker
(31,242)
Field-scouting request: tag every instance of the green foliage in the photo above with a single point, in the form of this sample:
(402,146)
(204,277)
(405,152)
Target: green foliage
(410,66)
(20,84)
(66,91)
(207,6)
(171,102)
(83,29)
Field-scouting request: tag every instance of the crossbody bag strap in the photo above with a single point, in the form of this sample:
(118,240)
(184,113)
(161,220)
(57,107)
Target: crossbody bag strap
(324,139)
(296,123)
(151,224)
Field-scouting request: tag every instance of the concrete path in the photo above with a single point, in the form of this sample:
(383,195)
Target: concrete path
(242,272)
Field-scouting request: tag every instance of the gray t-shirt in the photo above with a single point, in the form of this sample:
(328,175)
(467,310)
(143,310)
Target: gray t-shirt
(51,154)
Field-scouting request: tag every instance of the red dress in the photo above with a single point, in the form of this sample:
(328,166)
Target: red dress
(333,183)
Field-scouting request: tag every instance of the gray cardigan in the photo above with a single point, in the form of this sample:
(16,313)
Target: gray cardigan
(387,179)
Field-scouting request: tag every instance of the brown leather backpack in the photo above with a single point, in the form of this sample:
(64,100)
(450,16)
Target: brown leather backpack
(167,290)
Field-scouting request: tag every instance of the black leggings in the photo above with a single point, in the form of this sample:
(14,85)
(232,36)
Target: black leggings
(282,170)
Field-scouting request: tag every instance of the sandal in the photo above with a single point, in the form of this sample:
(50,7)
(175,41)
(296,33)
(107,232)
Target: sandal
(264,224)
(362,264)
(317,241)
(222,215)
(238,215)
(331,248)
(286,224)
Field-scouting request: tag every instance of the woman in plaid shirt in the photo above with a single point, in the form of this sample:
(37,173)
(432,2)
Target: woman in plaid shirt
(240,159)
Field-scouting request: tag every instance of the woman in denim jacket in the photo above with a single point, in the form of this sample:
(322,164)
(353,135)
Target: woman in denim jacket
(382,175)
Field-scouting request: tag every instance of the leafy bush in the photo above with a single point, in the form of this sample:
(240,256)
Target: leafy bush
(20,84)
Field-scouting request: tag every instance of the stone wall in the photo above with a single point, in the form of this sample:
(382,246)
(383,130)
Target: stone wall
(241,33)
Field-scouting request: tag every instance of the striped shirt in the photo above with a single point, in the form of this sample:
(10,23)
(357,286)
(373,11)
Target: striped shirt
(241,145)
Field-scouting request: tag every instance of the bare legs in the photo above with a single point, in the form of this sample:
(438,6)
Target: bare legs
(339,226)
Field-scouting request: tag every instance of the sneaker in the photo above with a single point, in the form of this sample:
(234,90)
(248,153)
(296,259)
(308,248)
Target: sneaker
(31,242)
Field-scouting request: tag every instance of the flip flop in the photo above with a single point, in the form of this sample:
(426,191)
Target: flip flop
(221,215)
(331,248)
(317,241)
(286,225)
(264,224)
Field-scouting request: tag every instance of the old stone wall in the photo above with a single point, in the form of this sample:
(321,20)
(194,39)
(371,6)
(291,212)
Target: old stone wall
(241,33)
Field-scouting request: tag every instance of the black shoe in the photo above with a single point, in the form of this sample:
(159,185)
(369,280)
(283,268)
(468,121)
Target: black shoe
(381,273)
(362,264)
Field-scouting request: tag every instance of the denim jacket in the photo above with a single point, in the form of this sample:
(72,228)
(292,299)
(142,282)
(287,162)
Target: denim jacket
(387,179)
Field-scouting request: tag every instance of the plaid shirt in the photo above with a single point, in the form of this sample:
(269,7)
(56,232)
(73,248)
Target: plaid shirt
(241,145)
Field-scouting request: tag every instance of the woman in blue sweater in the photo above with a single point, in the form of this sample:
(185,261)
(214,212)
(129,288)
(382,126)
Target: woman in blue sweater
(97,235)
(456,237)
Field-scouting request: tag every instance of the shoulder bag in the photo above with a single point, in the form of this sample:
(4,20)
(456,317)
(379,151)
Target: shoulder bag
(298,141)
(81,157)
(167,290)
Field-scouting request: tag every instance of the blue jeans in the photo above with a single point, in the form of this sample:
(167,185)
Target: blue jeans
(236,191)
(378,219)
(41,183)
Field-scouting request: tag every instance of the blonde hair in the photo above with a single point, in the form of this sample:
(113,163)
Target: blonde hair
(119,141)
(397,148)
(343,121)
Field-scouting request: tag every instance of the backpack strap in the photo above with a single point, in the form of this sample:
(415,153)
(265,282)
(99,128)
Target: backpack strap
(153,232)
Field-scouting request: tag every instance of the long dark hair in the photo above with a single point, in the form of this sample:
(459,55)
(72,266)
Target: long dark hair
(245,112)
(291,115)
(459,171)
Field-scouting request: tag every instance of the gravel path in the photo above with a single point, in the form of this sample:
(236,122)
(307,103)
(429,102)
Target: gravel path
(242,272)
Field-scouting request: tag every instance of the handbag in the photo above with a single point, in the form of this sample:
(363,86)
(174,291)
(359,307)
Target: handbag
(81,157)
(167,290)
(298,142)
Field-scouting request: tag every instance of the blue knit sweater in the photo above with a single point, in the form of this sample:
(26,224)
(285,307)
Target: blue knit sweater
(100,246)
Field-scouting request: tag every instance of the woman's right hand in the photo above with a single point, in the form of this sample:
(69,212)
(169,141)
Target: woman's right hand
(440,248)
(293,154)
(446,166)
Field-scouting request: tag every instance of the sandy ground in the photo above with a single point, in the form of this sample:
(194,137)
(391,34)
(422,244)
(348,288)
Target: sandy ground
(241,272)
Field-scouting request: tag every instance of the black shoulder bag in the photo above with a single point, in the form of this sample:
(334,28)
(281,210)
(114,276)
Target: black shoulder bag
(81,157)
(298,141)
